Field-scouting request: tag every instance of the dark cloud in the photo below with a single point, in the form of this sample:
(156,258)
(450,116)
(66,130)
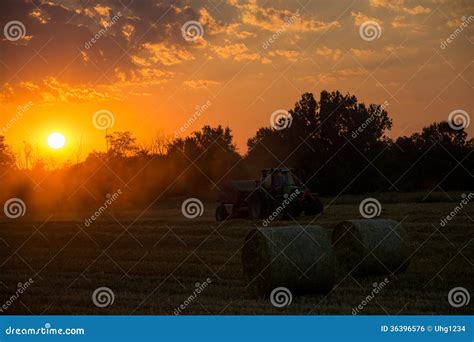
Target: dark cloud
(67,39)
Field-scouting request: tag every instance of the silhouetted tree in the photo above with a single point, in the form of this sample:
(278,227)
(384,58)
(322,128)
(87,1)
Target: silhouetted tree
(7,159)
(326,140)
(207,155)
(122,144)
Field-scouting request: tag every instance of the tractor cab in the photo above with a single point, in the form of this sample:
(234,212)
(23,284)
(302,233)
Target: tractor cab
(277,190)
(276,178)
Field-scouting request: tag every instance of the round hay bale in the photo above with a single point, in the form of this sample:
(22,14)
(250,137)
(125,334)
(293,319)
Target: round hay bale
(373,246)
(300,259)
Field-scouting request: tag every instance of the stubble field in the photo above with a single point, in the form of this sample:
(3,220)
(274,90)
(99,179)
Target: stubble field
(153,262)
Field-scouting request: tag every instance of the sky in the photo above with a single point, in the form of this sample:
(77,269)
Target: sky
(170,67)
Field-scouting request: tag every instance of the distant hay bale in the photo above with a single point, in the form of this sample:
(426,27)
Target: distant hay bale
(300,259)
(374,246)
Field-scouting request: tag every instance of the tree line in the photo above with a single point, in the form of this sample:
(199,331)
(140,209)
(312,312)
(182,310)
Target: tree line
(336,145)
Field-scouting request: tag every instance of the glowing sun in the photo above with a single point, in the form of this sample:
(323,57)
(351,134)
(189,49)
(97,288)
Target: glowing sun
(56,140)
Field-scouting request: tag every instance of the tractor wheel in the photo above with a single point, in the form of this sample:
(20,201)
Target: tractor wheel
(221,213)
(293,213)
(314,206)
(257,206)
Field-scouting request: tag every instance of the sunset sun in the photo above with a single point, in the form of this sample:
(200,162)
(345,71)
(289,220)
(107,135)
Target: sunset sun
(56,140)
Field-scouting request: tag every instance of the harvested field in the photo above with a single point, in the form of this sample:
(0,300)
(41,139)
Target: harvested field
(153,263)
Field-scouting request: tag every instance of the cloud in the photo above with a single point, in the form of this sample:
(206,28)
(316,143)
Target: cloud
(341,75)
(238,52)
(399,6)
(362,53)
(199,84)
(214,27)
(329,53)
(103,10)
(40,15)
(290,55)
(164,54)
(271,19)
(360,18)
(50,91)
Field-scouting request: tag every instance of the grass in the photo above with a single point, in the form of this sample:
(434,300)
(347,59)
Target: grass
(152,264)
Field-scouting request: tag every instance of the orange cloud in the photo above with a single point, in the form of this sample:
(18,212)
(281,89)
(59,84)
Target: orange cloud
(272,19)
(161,53)
(341,75)
(199,84)
(238,52)
(291,55)
(362,53)
(50,90)
(360,18)
(102,10)
(326,52)
(399,6)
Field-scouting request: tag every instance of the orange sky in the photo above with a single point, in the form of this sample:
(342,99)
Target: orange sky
(254,57)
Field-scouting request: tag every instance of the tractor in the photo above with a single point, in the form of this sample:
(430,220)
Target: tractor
(277,193)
